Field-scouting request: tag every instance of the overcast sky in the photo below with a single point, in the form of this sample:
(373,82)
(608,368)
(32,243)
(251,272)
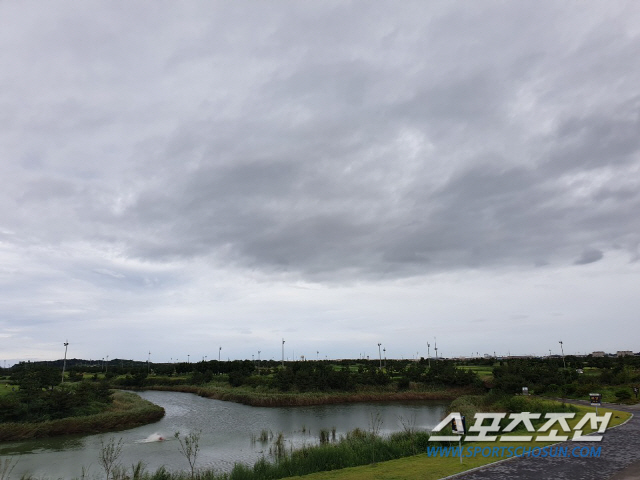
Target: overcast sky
(183,176)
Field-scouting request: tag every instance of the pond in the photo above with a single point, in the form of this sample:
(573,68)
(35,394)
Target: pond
(229,434)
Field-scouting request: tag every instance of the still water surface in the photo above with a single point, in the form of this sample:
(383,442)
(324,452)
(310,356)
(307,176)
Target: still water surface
(227,430)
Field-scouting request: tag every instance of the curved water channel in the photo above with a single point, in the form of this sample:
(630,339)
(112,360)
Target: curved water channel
(229,434)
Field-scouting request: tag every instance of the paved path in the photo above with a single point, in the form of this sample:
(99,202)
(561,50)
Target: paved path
(619,458)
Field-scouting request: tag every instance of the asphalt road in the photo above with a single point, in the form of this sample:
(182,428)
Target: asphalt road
(619,458)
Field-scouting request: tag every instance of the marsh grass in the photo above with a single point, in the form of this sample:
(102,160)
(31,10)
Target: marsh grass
(271,398)
(128,410)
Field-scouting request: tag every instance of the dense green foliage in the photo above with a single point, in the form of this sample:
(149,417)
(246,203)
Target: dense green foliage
(581,376)
(36,396)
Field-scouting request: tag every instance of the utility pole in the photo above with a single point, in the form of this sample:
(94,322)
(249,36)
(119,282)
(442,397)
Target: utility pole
(64,363)
(380,355)
(149,363)
(385,357)
(428,355)
(219,351)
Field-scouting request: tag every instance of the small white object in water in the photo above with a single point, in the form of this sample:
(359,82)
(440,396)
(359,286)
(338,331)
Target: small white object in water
(154,437)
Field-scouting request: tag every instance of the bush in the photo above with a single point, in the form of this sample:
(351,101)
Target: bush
(623,394)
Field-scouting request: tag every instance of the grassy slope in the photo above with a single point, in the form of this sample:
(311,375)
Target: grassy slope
(422,467)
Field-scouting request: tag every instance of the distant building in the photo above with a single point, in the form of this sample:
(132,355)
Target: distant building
(597,354)
(623,353)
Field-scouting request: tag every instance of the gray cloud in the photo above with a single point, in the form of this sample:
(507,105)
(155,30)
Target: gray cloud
(589,256)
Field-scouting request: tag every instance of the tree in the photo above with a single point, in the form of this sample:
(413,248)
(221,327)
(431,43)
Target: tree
(109,454)
(189,448)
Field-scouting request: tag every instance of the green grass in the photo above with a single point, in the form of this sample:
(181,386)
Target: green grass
(484,372)
(4,390)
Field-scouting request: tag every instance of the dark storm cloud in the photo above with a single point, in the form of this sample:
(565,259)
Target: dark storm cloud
(589,256)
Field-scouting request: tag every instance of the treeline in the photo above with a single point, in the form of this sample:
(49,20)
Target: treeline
(36,395)
(550,376)
(308,376)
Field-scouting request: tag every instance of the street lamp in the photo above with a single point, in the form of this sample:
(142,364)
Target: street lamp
(380,355)
(219,350)
(385,357)
(64,363)
(564,365)
(428,354)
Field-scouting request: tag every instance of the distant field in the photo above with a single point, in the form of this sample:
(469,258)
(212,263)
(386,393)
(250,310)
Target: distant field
(483,371)
(3,386)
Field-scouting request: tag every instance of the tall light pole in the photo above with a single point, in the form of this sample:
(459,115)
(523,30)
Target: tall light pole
(435,346)
(385,357)
(188,358)
(219,351)
(149,363)
(428,355)
(106,365)
(64,363)
(564,365)
(380,355)
(283,353)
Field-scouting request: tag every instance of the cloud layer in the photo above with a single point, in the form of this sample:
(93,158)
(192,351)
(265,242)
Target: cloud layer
(339,146)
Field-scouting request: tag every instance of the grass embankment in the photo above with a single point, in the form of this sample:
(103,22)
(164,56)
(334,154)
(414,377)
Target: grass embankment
(268,398)
(128,410)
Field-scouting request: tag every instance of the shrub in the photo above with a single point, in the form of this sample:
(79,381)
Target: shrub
(623,394)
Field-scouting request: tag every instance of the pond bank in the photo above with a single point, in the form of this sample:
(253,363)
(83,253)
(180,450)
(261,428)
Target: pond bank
(128,410)
(277,399)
